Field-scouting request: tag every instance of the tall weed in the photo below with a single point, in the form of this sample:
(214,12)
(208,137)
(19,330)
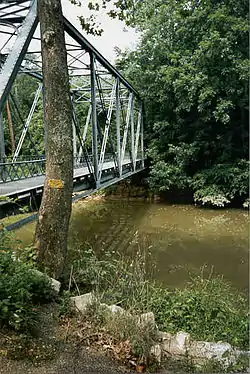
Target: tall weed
(207,308)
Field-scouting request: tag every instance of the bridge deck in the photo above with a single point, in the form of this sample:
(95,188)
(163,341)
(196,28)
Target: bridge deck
(23,186)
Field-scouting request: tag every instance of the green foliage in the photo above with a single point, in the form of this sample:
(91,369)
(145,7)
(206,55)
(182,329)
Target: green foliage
(66,307)
(24,89)
(22,289)
(91,272)
(221,183)
(27,255)
(192,69)
(121,9)
(209,309)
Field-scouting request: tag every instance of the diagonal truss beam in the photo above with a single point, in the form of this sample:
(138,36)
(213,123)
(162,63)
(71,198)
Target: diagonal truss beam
(28,121)
(106,130)
(107,100)
(15,57)
(75,34)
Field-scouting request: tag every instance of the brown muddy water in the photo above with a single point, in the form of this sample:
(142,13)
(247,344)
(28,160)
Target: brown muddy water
(177,240)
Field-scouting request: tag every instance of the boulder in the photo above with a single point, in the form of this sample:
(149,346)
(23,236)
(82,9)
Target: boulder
(209,350)
(180,345)
(81,302)
(155,351)
(115,309)
(55,284)
(221,352)
(147,320)
(176,345)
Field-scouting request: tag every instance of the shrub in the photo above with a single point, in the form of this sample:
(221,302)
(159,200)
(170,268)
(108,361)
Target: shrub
(91,272)
(22,289)
(209,309)
(222,183)
(124,327)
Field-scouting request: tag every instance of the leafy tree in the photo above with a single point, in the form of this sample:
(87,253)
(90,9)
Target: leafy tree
(192,69)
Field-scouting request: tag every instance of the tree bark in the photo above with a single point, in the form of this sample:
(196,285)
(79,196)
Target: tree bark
(54,214)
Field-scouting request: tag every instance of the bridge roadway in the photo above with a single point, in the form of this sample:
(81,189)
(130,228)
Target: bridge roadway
(24,187)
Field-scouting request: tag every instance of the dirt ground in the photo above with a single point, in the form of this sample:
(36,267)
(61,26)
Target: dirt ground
(49,352)
(72,360)
(64,346)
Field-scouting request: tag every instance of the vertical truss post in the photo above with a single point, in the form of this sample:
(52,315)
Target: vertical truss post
(142,137)
(106,130)
(132,133)
(125,134)
(94,115)
(138,130)
(118,126)
(74,143)
(2,145)
(85,131)
(2,149)
(82,145)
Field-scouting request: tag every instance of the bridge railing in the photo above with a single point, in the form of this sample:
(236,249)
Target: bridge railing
(26,167)
(12,171)
(107,111)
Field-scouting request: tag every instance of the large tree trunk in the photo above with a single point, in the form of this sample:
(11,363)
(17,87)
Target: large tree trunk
(54,214)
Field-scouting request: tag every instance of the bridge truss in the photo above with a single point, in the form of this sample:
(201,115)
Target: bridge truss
(107,112)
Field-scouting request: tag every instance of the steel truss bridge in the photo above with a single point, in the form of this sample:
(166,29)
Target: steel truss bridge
(107,112)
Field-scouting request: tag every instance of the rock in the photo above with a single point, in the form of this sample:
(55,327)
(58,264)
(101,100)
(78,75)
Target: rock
(55,284)
(81,302)
(180,345)
(147,320)
(209,350)
(165,336)
(156,352)
(175,344)
(221,352)
(115,309)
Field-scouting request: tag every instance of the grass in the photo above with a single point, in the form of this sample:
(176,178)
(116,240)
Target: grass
(207,308)
(14,218)
(125,327)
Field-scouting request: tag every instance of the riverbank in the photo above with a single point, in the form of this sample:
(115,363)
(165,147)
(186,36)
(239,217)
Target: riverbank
(139,255)
(207,308)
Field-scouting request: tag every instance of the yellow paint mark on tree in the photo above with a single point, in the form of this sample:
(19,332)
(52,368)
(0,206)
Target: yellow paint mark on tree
(56,183)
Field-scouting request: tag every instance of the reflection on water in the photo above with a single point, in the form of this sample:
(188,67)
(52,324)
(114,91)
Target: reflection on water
(180,238)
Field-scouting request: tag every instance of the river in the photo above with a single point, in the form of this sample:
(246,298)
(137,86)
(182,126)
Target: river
(178,240)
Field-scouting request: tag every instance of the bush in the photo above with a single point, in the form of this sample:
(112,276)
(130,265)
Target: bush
(124,327)
(209,309)
(222,183)
(22,289)
(91,272)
